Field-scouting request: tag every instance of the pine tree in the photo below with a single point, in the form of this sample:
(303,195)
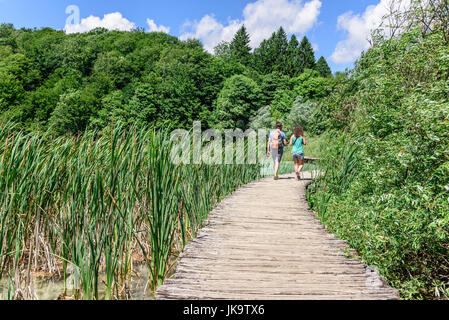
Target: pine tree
(265,55)
(291,56)
(272,54)
(239,46)
(280,51)
(323,68)
(306,55)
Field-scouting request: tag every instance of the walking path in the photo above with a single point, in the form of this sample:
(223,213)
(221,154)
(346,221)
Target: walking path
(263,242)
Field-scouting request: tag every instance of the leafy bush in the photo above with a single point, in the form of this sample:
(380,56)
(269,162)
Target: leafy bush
(386,182)
(262,119)
(300,114)
(239,99)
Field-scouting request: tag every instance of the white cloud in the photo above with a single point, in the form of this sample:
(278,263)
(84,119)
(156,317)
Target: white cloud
(111,21)
(358,28)
(261,18)
(210,31)
(153,27)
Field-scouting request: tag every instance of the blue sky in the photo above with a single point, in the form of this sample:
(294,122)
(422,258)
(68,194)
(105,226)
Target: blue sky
(337,29)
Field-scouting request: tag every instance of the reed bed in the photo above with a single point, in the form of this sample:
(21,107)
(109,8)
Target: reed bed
(88,208)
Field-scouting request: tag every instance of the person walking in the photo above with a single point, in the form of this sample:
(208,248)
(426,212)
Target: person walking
(275,147)
(298,141)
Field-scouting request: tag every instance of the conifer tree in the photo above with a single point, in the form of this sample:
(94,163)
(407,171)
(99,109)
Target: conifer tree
(239,46)
(306,55)
(323,68)
(281,42)
(280,51)
(265,55)
(292,58)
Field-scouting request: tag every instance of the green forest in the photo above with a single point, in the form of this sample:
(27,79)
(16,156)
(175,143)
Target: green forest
(70,83)
(381,130)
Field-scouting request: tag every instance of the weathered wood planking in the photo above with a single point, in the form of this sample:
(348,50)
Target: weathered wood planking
(257,245)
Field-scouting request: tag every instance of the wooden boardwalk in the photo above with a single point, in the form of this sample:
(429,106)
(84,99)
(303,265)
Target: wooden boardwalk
(263,242)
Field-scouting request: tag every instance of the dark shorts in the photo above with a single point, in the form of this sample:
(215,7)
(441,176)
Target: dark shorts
(298,156)
(277,154)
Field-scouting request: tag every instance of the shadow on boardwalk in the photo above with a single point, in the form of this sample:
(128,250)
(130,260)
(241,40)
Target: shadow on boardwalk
(263,242)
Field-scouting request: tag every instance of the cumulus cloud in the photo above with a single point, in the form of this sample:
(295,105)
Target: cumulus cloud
(210,31)
(358,28)
(111,21)
(261,18)
(153,27)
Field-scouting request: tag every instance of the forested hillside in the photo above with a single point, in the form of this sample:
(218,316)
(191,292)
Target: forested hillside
(67,83)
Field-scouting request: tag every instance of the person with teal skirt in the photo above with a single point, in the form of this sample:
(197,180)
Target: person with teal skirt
(298,141)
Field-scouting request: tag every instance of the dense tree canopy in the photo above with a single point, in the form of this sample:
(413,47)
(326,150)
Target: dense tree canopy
(67,83)
(239,99)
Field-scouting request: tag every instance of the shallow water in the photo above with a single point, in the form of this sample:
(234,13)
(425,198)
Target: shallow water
(45,289)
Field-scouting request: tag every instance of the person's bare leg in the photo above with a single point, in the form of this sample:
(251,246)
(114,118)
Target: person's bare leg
(300,166)
(296,167)
(276,168)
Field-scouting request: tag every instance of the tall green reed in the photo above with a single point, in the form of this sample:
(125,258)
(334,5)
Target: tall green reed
(94,204)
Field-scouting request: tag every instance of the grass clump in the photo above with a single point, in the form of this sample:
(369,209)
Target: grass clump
(89,207)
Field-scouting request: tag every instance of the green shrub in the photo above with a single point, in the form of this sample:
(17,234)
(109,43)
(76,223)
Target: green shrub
(386,178)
